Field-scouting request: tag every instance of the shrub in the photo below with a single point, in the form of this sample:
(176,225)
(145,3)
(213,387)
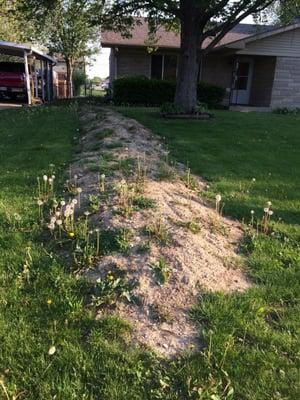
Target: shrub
(79,79)
(139,90)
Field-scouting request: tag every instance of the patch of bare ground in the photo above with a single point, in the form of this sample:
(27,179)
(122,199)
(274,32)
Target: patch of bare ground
(179,246)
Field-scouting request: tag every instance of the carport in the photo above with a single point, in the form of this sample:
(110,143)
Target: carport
(34,61)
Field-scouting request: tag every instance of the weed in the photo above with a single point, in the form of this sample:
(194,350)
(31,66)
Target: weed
(94,203)
(192,226)
(161,271)
(165,172)
(159,314)
(144,247)
(114,145)
(158,231)
(114,287)
(141,202)
(125,198)
(104,133)
(190,181)
(127,165)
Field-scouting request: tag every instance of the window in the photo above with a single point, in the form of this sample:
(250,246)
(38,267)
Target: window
(164,66)
(156,66)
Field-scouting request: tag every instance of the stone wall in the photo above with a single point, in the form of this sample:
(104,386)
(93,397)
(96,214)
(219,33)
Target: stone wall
(286,88)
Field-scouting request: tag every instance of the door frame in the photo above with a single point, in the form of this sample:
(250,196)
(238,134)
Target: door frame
(234,92)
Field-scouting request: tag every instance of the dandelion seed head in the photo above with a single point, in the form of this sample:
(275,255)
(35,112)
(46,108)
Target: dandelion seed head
(52,350)
(270,212)
(40,202)
(45,178)
(79,190)
(102,177)
(86,213)
(218,198)
(59,222)
(252,212)
(266,209)
(269,203)
(62,203)
(74,201)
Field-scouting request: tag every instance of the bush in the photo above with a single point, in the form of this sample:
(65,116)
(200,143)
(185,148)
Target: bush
(139,90)
(79,79)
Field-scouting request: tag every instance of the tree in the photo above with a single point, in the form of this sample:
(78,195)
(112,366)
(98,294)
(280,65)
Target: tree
(65,28)
(198,20)
(283,11)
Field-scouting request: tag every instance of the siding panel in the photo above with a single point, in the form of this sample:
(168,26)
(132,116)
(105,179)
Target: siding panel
(284,44)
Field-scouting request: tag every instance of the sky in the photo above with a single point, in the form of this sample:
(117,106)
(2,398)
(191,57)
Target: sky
(100,64)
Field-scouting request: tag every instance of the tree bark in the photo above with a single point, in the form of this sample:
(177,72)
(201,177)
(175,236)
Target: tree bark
(69,65)
(190,54)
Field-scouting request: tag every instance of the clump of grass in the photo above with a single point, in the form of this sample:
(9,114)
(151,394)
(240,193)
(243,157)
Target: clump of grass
(192,226)
(127,165)
(190,181)
(115,240)
(158,231)
(159,313)
(142,202)
(165,172)
(161,271)
(144,247)
(104,133)
(114,145)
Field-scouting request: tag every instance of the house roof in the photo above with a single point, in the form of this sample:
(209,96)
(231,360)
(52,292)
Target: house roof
(170,39)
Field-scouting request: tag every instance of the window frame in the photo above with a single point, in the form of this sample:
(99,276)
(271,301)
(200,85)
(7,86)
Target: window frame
(163,55)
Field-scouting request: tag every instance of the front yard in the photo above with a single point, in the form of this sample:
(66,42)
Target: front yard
(51,344)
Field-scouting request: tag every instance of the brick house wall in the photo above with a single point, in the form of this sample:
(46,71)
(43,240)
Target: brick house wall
(286,88)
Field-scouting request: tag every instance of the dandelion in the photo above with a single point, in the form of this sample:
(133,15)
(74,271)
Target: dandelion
(270,212)
(59,222)
(62,203)
(97,230)
(40,202)
(49,302)
(52,350)
(218,201)
(266,209)
(86,213)
(102,183)
(253,180)
(79,191)
(269,203)
(51,226)
(252,217)
(74,202)
(45,178)
(71,234)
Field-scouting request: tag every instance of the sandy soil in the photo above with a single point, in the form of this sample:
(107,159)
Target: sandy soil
(202,259)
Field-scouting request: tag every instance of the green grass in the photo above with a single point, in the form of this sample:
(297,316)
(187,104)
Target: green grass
(252,338)
(90,361)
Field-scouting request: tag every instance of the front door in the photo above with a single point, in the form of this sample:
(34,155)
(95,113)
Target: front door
(242,81)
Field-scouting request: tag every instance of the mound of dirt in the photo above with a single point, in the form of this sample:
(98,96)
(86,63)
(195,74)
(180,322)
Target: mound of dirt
(179,246)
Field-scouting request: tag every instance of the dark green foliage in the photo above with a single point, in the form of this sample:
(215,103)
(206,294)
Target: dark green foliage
(139,90)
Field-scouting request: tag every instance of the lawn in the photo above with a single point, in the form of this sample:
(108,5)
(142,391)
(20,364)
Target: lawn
(252,339)
(249,159)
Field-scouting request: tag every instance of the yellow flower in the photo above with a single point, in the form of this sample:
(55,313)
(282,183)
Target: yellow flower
(110,277)
(71,234)
(49,302)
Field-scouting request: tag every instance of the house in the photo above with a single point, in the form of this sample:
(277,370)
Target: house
(258,65)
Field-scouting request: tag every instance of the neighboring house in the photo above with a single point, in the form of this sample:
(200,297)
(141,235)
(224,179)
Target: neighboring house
(258,65)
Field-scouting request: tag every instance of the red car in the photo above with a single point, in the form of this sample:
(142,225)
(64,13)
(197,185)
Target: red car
(12,80)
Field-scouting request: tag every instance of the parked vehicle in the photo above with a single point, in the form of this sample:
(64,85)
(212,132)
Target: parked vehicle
(12,80)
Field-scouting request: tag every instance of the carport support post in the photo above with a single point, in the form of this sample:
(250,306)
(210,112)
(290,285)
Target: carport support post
(27,78)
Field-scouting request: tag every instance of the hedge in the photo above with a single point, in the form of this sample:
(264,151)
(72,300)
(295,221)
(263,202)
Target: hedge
(139,90)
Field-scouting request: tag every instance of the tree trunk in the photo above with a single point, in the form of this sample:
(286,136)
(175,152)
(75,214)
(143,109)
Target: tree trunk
(69,65)
(189,60)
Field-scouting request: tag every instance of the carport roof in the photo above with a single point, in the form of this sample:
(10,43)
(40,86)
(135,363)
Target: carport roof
(14,49)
